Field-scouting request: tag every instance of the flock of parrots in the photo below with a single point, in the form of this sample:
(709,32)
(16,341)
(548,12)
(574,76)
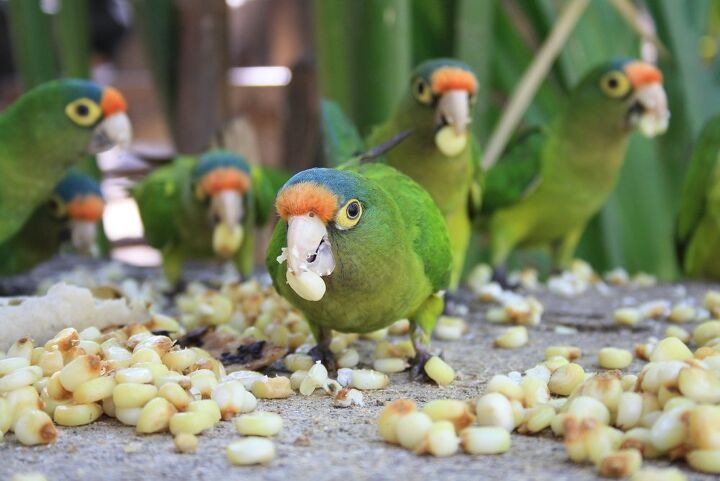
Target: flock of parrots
(369,239)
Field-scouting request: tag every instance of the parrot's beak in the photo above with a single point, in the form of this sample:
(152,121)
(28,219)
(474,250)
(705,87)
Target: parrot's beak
(452,116)
(308,255)
(648,106)
(649,110)
(115,129)
(227,207)
(83,234)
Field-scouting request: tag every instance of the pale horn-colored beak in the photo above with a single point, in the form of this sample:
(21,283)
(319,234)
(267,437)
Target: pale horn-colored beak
(228,233)
(114,130)
(452,115)
(83,234)
(653,115)
(308,255)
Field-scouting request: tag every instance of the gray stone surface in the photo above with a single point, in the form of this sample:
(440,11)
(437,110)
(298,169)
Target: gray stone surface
(343,444)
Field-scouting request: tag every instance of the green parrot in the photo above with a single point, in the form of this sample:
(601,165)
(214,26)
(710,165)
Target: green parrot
(358,248)
(698,222)
(207,207)
(47,131)
(551,183)
(76,204)
(441,155)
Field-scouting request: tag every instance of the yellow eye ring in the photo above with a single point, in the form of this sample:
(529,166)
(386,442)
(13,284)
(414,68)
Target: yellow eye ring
(57,207)
(83,112)
(615,84)
(421,91)
(349,215)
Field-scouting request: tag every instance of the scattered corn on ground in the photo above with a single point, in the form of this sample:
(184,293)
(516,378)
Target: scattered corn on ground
(460,431)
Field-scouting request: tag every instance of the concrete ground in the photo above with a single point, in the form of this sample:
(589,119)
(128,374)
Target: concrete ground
(321,442)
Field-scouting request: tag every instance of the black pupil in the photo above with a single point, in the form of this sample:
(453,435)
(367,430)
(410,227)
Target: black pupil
(612,83)
(82,110)
(420,88)
(353,210)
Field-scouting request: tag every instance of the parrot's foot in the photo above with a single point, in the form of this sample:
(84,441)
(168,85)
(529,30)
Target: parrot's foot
(500,276)
(417,365)
(322,353)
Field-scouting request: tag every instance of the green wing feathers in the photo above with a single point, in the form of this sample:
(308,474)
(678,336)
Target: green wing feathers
(516,172)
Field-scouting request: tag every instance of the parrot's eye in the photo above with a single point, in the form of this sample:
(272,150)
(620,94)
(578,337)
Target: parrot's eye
(349,215)
(57,207)
(421,91)
(615,84)
(83,112)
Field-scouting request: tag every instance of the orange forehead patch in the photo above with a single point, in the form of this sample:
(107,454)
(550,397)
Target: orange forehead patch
(89,207)
(453,78)
(225,178)
(641,73)
(304,198)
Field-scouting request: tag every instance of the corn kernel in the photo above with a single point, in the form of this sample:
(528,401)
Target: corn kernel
(190,422)
(440,440)
(412,428)
(670,349)
(704,460)
(367,379)
(272,388)
(232,398)
(390,365)
(21,399)
(298,362)
(494,409)
(203,381)
(10,364)
(94,390)
(629,410)
(77,414)
(507,387)
(535,390)
(699,385)
(512,338)
(620,464)
(450,328)
(155,416)
(25,376)
(439,371)
(348,358)
(80,370)
(133,395)
(259,424)
(180,359)
(627,316)
(457,412)
(251,450)
(703,427)
(389,417)
(35,427)
(566,378)
(570,353)
(584,407)
(21,348)
(539,418)
(669,430)
(176,395)
(485,440)
(705,332)
(186,443)
(613,358)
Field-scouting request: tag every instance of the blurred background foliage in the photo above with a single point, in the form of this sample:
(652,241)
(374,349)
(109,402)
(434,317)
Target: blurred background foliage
(360,53)
(499,39)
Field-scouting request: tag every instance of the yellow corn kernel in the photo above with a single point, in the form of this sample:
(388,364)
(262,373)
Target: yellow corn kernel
(494,409)
(203,381)
(133,395)
(190,422)
(437,370)
(145,354)
(272,388)
(25,376)
(670,349)
(251,450)
(614,358)
(259,424)
(485,440)
(176,395)
(51,362)
(412,428)
(35,427)
(186,443)
(80,370)
(620,464)
(155,416)
(63,340)
(440,440)
(179,360)
(207,406)
(94,390)
(566,378)
(389,416)
(512,338)
(704,460)
(457,412)
(77,414)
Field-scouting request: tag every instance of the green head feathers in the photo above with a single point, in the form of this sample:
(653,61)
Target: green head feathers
(619,96)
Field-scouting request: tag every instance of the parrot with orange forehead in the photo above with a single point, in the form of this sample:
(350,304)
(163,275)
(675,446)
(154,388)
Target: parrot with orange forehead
(441,154)
(546,188)
(358,248)
(47,131)
(76,205)
(205,208)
